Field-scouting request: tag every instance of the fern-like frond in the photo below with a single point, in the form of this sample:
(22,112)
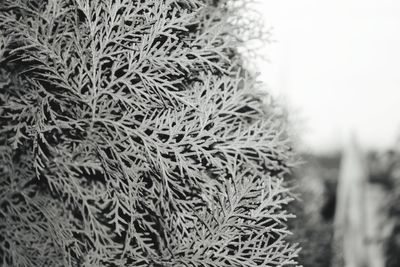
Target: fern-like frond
(131,135)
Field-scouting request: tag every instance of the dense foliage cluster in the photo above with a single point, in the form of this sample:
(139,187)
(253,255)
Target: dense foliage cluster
(131,136)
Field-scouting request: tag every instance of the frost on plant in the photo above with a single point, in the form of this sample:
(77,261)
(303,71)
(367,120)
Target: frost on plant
(131,136)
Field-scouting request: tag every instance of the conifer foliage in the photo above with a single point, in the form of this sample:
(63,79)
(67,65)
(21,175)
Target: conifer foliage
(132,136)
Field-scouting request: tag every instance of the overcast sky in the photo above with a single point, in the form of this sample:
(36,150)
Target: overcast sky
(337,65)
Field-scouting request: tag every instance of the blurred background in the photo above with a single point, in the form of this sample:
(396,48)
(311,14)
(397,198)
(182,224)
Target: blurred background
(335,65)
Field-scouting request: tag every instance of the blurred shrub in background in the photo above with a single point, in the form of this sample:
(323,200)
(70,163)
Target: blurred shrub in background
(315,185)
(385,169)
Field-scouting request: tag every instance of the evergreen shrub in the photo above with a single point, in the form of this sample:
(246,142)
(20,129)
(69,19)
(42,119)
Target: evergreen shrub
(131,135)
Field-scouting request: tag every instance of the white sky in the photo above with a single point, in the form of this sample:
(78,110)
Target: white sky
(337,64)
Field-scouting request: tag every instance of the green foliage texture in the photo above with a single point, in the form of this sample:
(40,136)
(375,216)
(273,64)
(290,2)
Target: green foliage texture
(130,135)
